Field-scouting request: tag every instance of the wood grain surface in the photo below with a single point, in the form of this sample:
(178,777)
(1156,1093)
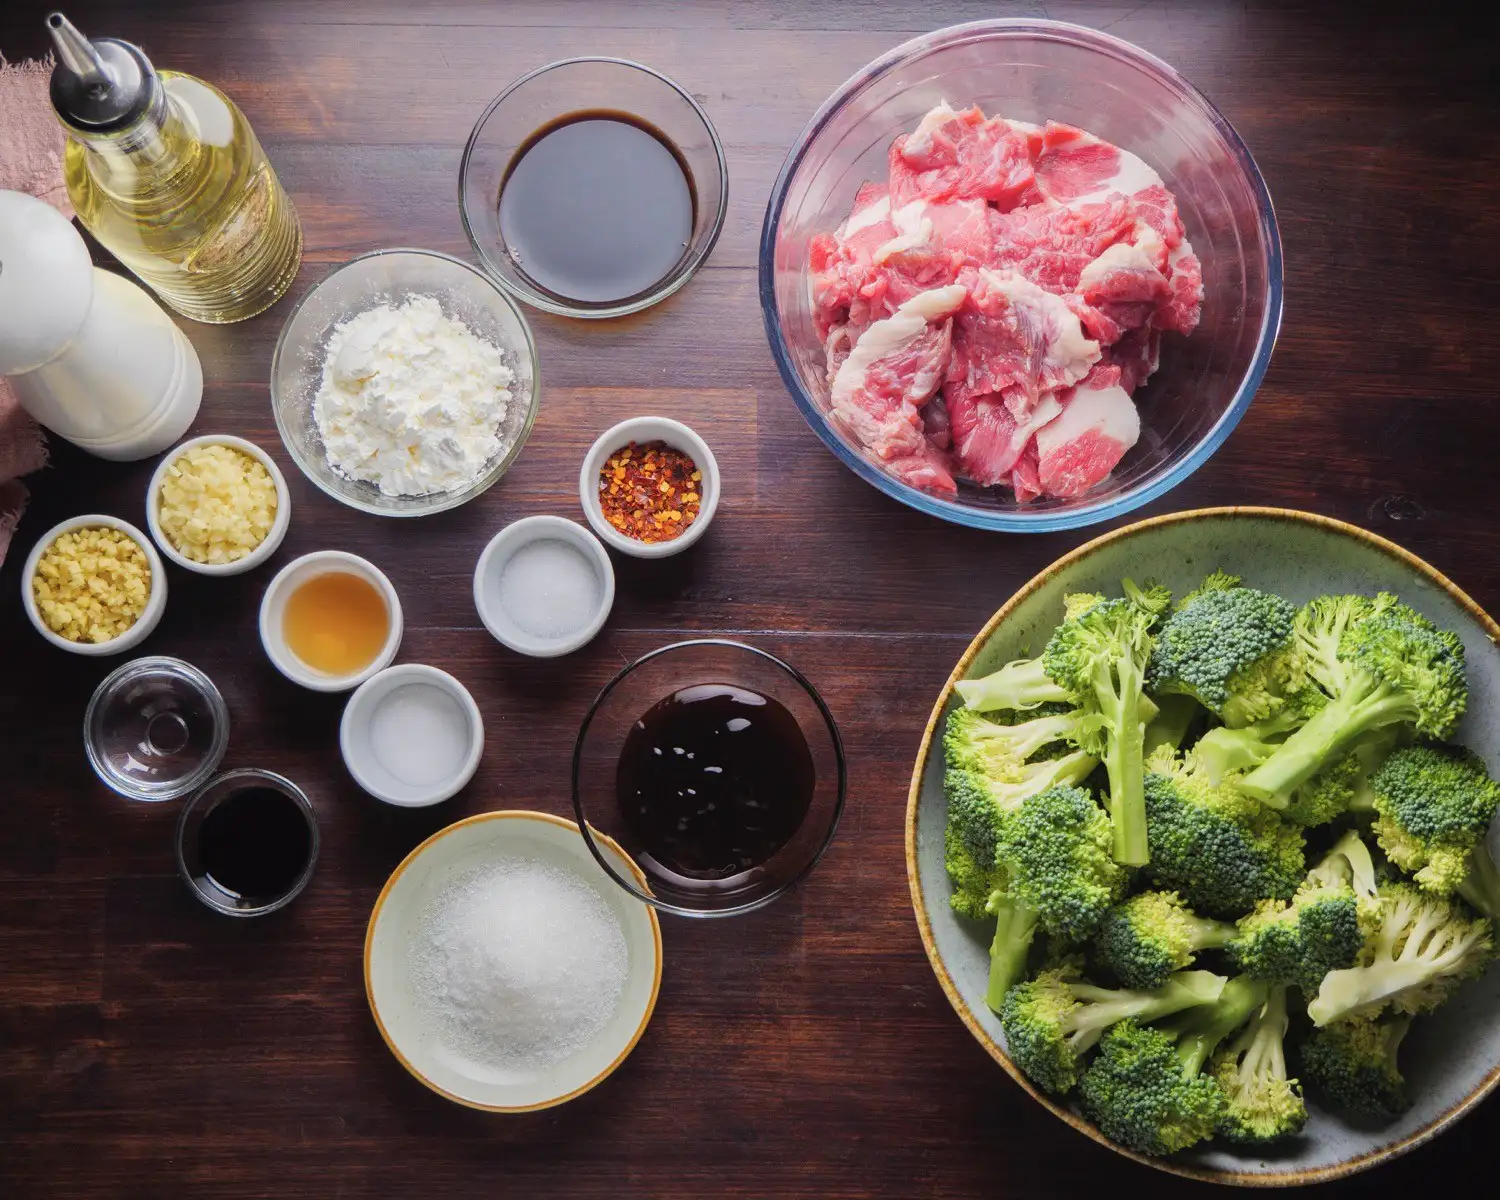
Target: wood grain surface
(150,1049)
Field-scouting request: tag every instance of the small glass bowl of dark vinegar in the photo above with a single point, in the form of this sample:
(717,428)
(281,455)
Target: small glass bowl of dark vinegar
(718,768)
(593,187)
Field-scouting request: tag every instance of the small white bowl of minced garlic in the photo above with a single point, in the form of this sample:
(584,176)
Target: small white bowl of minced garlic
(218,505)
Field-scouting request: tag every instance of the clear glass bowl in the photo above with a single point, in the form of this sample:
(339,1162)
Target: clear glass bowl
(155,728)
(573,85)
(1036,71)
(390,277)
(662,673)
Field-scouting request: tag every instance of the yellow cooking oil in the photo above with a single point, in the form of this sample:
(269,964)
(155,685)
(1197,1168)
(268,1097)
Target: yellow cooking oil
(185,197)
(336,622)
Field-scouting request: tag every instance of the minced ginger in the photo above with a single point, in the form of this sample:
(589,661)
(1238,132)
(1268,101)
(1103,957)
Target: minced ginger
(217,504)
(92,584)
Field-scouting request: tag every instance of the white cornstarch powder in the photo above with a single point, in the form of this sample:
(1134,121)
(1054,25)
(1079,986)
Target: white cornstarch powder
(411,400)
(520,964)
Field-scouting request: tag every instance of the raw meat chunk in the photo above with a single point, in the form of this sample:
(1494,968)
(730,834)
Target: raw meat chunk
(1081,446)
(1157,208)
(1075,166)
(1025,481)
(936,427)
(1018,339)
(961,156)
(988,440)
(1137,354)
(1122,274)
(893,369)
(1051,245)
(1181,313)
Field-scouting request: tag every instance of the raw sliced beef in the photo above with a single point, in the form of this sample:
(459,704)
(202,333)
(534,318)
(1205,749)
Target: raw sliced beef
(1181,313)
(988,440)
(840,262)
(1074,166)
(1025,480)
(1051,245)
(1137,354)
(936,426)
(893,369)
(1097,425)
(961,156)
(1158,209)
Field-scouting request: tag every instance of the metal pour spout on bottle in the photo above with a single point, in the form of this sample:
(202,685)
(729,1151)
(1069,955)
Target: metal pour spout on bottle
(164,170)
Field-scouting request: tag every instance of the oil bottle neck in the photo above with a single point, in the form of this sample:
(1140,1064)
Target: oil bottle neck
(161,142)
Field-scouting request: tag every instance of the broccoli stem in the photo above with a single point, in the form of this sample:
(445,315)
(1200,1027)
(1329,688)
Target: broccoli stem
(1021,684)
(1204,933)
(1175,713)
(1124,761)
(1481,886)
(1202,1029)
(1328,734)
(1015,926)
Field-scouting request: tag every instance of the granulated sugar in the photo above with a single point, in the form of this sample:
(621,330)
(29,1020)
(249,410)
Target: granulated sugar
(521,964)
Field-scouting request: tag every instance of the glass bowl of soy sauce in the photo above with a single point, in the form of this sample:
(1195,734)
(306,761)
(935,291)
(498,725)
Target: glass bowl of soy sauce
(718,769)
(593,187)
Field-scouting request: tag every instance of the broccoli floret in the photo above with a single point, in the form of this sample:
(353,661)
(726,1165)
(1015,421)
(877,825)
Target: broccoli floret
(974,881)
(1260,1103)
(1153,934)
(1022,684)
(1422,949)
(1099,653)
(977,801)
(1434,805)
(1146,1088)
(1220,849)
(1352,1065)
(1343,787)
(1054,1020)
(1231,649)
(973,741)
(1324,927)
(1380,663)
(1059,876)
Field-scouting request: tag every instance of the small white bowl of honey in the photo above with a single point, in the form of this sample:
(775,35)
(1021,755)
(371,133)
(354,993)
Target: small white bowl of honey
(330,620)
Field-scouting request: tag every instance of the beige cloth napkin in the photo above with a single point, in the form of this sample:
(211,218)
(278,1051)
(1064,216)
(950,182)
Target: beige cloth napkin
(31,158)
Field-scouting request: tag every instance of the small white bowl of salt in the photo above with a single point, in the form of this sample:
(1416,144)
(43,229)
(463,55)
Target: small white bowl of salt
(505,969)
(544,586)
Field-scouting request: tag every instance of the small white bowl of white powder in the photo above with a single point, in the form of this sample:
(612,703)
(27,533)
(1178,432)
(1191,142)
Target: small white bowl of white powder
(544,586)
(505,969)
(404,383)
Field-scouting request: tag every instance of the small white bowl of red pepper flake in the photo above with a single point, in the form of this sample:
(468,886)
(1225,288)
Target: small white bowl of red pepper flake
(649,487)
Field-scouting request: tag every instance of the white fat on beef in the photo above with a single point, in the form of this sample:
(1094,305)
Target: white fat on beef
(919,144)
(1067,353)
(1082,445)
(1122,256)
(863,218)
(913,231)
(888,337)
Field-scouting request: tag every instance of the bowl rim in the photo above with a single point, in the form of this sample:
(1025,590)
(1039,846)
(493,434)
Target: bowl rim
(440,501)
(1088,513)
(642,300)
(205,770)
(156,600)
(279,524)
(391,678)
(534,528)
(379,906)
(1285,1178)
(280,654)
(644,892)
(679,436)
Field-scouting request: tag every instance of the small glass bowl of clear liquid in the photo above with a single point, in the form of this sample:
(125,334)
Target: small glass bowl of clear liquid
(156,729)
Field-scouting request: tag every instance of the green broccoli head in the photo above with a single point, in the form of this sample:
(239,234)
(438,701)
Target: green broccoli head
(1146,1088)
(1099,654)
(1422,949)
(1434,805)
(1344,786)
(1153,934)
(973,880)
(1223,851)
(1231,649)
(1260,1103)
(1053,1021)
(1381,663)
(1055,848)
(1351,1065)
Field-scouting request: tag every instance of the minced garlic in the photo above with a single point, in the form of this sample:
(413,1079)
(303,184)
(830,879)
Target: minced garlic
(92,584)
(217,504)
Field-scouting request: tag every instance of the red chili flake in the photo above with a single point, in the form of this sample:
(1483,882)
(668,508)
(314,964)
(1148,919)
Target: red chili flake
(650,492)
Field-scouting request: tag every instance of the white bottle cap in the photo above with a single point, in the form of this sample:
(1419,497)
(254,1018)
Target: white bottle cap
(46,282)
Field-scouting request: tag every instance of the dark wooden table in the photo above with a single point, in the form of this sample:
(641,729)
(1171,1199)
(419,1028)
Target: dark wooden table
(149,1048)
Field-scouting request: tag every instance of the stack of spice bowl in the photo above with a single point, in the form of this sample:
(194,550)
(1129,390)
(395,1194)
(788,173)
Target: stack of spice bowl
(649,487)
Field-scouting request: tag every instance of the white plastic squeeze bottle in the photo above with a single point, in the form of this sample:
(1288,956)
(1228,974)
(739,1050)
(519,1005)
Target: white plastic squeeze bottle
(90,355)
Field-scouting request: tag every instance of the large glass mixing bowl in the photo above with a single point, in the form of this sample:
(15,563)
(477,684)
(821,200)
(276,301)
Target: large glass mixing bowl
(1038,71)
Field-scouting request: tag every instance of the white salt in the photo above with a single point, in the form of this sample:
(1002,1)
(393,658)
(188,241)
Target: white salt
(549,588)
(420,734)
(521,965)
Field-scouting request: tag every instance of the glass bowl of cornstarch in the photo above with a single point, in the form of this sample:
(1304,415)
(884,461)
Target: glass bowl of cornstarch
(504,968)
(405,383)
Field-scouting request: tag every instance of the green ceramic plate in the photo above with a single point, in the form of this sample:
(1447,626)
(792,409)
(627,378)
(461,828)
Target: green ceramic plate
(1452,1058)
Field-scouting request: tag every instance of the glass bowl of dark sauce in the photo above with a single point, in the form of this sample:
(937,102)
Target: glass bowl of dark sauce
(718,768)
(593,187)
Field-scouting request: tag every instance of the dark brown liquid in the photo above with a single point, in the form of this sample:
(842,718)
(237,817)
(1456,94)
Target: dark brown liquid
(713,781)
(253,846)
(597,206)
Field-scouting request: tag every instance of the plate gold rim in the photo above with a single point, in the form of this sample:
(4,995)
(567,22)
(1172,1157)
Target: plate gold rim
(607,1071)
(1292,1178)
